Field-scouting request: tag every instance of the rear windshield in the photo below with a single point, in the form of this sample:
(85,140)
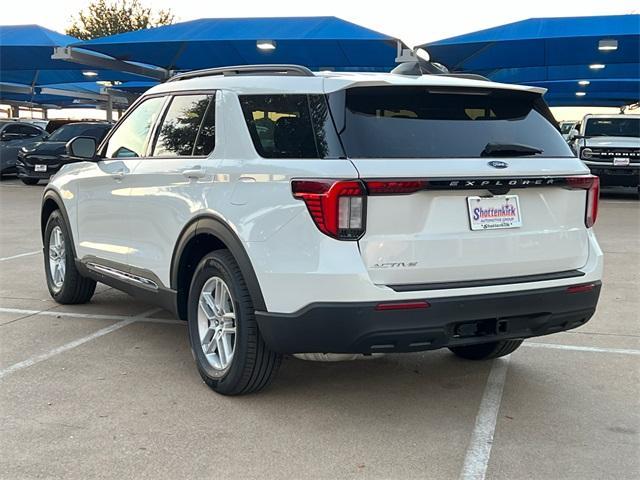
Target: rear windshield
(424,122)
(612,127)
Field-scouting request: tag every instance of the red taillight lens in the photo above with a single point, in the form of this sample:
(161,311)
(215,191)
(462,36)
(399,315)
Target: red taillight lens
(394,187)
(591,184)
(337,207)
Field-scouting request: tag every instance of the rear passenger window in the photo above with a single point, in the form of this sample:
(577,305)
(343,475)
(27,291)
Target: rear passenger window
(188,127)
(290,126)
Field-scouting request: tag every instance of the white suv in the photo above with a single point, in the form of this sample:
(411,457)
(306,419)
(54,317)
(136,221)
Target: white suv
(282,211)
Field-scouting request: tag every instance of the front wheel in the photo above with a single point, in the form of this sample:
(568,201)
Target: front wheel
(230,353)
(64,281)
(486,351)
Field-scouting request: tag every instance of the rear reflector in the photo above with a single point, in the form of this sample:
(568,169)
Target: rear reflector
(403,305)
(587,287)
(337,207)
(591,184)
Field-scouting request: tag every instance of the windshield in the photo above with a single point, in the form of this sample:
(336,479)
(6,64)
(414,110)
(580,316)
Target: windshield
(428,122)
(566,127)
(72,130)
(612,127)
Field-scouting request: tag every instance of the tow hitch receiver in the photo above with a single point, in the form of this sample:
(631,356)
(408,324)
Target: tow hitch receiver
(480,328)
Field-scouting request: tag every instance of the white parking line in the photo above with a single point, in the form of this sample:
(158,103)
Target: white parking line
(20,255)
(68,346)
(576,348)
(93,316)
(477,457)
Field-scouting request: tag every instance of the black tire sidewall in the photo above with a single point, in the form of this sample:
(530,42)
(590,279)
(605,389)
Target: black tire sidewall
(213,265)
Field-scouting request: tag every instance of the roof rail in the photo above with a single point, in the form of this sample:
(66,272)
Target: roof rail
(292,70)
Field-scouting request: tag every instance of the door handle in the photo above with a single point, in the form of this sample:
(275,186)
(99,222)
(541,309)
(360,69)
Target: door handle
(195,172)
(118,174)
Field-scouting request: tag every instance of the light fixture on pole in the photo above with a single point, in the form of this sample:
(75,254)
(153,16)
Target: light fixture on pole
(266,45)
(607,44)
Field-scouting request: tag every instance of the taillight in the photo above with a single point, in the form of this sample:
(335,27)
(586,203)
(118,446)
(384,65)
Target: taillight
(337,207)
(591,184)
(394,187)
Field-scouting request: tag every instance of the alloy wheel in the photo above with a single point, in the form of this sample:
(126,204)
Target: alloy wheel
(217,323)
(57,258)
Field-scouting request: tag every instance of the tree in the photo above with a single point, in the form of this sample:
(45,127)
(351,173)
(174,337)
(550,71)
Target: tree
(108,17)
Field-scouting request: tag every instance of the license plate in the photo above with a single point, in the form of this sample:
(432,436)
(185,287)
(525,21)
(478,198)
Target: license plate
(492,213)
(620,161)
(40,168)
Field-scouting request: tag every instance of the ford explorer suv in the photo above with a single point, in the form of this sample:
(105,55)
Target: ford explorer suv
(281,211)
(610,146)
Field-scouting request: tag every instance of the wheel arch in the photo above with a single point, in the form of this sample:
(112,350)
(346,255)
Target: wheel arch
(203,235)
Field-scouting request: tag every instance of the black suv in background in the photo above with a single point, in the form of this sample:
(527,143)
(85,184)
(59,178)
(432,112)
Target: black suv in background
(43,159)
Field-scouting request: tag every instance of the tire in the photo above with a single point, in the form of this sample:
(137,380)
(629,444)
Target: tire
(68,287)
(30,181)
(486,351)
(250,366)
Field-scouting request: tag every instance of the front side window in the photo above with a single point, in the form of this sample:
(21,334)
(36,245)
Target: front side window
(188,127)
(612,127)
(439,122)
(131,137)
(290,126)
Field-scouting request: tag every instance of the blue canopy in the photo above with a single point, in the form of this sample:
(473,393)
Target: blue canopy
(25,58)
(61,94)
(316,42)
(540,51)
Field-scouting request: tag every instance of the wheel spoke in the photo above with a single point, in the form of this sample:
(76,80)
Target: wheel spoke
(207,305)
(208,341)
(222,351)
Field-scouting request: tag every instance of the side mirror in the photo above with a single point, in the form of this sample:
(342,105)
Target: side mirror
(573,134)
(82,148)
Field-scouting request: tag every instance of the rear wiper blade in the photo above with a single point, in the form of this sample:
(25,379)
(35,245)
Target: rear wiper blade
(509,150)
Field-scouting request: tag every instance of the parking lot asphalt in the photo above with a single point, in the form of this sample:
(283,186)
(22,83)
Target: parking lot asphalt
(110,390)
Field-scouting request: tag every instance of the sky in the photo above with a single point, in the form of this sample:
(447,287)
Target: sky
(414,22)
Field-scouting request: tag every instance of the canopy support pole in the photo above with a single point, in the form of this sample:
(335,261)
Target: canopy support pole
(109,108)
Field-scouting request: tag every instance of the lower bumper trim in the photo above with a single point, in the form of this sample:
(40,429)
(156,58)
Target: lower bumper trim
(451,321)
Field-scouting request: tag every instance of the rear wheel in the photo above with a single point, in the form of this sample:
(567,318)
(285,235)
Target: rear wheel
(64,281)
(487,351)
(230,354)
(30,181)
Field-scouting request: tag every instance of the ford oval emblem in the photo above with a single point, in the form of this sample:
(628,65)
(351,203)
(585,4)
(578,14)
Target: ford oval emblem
(498,164)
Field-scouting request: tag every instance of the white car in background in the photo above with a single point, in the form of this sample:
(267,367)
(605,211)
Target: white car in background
(610,146)
(281,211)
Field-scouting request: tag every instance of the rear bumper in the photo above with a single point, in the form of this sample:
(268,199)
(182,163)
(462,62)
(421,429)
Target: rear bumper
(617,176)
(448,321)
